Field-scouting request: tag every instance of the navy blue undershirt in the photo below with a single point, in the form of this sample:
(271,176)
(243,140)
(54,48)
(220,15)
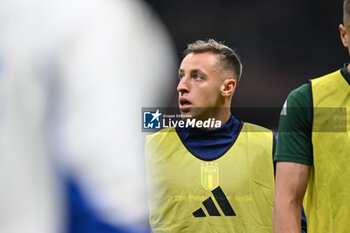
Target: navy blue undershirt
(210,144)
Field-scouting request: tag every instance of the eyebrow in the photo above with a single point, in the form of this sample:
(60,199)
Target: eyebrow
(192,71)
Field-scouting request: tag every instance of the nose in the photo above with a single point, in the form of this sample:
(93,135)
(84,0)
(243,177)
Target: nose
(183,86)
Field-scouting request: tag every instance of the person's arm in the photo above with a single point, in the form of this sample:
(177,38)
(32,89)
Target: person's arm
(294,157)
(291,183)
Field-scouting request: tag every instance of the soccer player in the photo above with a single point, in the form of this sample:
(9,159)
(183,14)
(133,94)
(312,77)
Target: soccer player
(313,152)
(217,179)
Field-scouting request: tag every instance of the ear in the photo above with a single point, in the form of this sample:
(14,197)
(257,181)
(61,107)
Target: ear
(343,35)
(228,87)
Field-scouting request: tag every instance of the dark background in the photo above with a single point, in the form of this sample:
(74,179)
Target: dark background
(282,44)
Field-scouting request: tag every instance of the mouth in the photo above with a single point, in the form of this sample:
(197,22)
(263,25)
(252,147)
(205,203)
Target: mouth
(184,104)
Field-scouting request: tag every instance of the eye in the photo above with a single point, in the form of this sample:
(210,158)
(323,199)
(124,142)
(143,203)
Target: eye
(197,76)
(181,76)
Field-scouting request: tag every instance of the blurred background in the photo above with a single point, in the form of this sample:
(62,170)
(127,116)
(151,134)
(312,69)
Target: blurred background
(75,74)
(282,44)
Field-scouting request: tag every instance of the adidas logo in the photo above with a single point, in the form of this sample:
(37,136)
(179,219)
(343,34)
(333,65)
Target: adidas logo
(211,208)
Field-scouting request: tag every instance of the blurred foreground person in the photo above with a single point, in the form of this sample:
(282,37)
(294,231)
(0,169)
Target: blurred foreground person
(73,78)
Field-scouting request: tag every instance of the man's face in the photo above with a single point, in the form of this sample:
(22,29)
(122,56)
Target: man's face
(344,34)
(201,77)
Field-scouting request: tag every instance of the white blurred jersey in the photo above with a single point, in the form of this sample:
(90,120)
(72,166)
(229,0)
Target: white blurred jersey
(74,75)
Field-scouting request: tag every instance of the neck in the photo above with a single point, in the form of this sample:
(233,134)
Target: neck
(224,117)
(221,114)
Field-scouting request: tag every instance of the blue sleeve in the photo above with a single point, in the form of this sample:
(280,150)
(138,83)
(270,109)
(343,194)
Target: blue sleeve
(303,222)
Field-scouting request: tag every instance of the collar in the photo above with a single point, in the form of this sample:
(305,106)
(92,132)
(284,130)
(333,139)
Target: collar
(344,71)
(227,130)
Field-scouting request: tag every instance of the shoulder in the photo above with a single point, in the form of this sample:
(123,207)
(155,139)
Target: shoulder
(327,77)
(250,127)
(258,139)
(300,97)
(294,132)
(330,83)
(160,141)
(296,113)
(160,135)
(257,134)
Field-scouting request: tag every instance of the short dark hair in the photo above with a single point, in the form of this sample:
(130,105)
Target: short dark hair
(346,9)
(228,57)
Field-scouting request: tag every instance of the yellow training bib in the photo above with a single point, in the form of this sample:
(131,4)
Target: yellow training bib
(328,193)
(233,193)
